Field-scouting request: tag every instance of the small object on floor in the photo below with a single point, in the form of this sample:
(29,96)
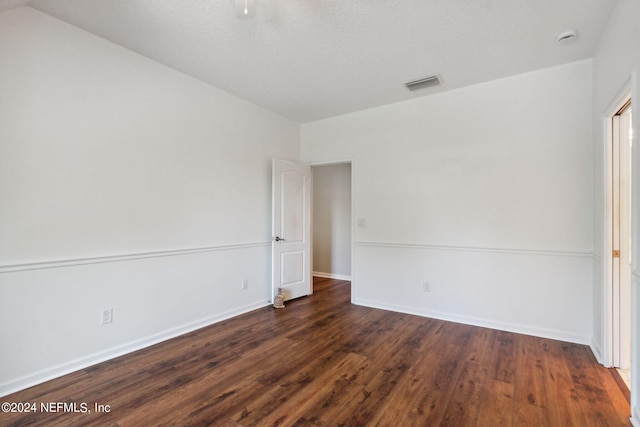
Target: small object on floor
(278,302)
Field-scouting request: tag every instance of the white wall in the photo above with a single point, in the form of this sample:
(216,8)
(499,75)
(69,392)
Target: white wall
(616,60)
(485,192)
(126,185)
(332,221)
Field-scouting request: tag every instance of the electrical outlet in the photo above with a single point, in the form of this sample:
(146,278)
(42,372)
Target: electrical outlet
(245,283)
(107,316)
(426,286)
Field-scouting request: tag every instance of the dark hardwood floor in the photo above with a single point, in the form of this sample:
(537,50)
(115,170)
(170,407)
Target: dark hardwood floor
(324,362)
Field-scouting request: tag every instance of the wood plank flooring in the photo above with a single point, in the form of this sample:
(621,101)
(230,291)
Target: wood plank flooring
(322,361)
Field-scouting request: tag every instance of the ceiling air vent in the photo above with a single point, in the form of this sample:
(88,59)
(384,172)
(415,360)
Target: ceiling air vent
(422,83)
(567,35)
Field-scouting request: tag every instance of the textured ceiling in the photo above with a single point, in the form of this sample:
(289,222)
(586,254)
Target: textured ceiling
(9,4)
(312,59)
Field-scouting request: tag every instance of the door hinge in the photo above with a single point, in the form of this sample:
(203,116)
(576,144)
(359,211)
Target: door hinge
(616,253)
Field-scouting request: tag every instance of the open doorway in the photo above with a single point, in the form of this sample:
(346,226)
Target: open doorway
(620,239)
(332,221)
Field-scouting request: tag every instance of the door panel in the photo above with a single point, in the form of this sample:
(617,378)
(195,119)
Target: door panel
(292,265)
(291,245)
(293,198)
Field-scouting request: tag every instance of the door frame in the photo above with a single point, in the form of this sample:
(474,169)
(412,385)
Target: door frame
(610,339)
(621,233)
(630,89)
(352,162)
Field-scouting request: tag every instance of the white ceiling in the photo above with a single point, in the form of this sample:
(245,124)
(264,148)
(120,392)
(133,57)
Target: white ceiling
(312,59)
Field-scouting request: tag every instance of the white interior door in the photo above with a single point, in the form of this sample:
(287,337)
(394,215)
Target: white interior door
(291,244)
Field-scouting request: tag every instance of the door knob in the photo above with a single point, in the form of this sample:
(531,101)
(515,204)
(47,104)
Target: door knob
(279,239)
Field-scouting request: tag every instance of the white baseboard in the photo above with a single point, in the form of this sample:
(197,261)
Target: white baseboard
(44,375)
(331,276)
(473,321)
(595,349)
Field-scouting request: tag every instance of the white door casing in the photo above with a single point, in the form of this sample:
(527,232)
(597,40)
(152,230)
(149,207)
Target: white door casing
(291,229)
(611,339)
(621,298)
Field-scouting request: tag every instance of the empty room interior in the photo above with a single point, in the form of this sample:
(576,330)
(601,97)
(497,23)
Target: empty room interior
(465,247)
